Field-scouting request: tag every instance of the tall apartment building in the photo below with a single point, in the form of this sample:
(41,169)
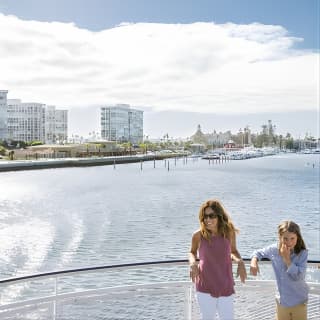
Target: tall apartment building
(36,122)
(56,125)
(121,123)
(25,121)
(3,114)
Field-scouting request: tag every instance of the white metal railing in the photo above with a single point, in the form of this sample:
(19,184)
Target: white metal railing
(68,294)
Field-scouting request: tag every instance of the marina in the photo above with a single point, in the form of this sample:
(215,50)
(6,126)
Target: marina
(45,162)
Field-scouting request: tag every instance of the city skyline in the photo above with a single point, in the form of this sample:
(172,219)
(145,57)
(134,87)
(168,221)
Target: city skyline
(220,64)
(206,121)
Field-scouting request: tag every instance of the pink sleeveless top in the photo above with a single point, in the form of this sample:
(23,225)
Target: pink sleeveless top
(215,276)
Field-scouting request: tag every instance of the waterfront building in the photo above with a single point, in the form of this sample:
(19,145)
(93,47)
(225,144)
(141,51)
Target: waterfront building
(25,121)
(75,150)
(121,123)
(199,137)
(56,125)
(35,122)
(217,139)
(3,114)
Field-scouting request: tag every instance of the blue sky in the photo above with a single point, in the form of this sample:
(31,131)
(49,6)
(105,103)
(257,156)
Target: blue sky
(221,64)
(299,17)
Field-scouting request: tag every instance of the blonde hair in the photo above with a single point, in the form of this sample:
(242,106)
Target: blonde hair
(225,228)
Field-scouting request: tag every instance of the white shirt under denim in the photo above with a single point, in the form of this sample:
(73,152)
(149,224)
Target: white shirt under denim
(291,283)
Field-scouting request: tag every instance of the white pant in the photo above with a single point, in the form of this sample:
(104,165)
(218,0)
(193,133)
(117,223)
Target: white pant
(210,306)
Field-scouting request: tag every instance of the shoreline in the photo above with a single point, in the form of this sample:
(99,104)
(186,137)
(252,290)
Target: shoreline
(19,165)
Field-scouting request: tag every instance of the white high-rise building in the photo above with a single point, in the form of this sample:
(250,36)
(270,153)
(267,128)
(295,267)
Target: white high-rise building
(56,125)
(3,114)
(36,122)
(25,121)
(121,123)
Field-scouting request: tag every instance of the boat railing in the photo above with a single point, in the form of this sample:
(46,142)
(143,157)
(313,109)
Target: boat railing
(146,290)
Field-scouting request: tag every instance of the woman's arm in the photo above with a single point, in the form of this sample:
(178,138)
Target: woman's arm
(235,256)
(194,270)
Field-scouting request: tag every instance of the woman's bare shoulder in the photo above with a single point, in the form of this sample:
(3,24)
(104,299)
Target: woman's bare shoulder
(197,235)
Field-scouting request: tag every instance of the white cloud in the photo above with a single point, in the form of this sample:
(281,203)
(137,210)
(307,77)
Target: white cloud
(203,67)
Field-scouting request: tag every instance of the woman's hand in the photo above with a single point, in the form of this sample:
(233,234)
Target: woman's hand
(194,271)
(254,268)
(235,256)
(241,271)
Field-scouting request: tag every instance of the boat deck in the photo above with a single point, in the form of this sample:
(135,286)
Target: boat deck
(150,290)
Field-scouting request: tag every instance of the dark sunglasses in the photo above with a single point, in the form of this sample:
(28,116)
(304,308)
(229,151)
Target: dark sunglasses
(210,215)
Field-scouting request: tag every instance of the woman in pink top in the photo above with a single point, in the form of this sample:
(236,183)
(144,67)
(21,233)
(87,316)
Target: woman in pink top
(215,245)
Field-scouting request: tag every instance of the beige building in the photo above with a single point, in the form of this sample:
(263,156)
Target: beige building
(101,148)
(217,139)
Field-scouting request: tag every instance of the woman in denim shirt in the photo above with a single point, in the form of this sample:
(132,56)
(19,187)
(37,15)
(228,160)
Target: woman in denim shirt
(289,261)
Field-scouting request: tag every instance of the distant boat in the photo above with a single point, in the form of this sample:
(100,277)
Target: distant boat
(195,155)
(211,156)
(310,151)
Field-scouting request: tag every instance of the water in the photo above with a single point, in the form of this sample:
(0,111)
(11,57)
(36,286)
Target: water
(73,217)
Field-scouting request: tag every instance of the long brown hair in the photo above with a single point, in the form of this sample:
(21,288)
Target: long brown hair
(226,227)
(290,226)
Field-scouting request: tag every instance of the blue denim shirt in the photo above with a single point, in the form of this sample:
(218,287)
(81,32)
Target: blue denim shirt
(291,283)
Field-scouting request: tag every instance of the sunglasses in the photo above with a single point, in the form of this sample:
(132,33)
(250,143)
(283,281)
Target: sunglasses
(210,215)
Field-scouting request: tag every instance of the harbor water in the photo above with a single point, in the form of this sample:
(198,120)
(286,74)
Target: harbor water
(74,217)
(55,219)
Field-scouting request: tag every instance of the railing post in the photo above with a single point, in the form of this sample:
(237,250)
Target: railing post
(188,306)
(54,307)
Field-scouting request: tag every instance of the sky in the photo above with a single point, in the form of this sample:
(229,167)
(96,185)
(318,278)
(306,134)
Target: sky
(221,64)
